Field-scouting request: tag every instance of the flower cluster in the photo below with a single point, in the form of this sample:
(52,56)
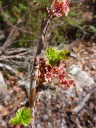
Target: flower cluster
(59,7)
(48,72)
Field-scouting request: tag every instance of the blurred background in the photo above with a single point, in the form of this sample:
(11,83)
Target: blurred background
(20,27)
(79,24)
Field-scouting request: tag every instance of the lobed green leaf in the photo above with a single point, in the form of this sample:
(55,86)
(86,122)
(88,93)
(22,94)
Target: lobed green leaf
(23,117)
(54,55)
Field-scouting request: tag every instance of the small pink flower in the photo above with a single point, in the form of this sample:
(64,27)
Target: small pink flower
(55,71)
(48,76)
(60,7)
(61,77)
(64,82)
(71,82)
(61,70)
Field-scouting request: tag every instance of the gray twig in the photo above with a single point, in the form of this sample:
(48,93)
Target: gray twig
(82,104)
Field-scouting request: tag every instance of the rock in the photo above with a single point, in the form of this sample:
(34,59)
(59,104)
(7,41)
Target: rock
(4,110)
(2,82)
(3,87)
(81,77)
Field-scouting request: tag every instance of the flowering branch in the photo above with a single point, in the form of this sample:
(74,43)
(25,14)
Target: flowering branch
(38,76)
(44,70)
(34,73)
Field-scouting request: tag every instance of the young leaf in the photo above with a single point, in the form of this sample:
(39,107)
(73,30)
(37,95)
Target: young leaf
(23,117)
(54,55)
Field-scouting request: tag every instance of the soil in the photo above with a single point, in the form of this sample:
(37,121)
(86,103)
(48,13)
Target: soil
(54,105)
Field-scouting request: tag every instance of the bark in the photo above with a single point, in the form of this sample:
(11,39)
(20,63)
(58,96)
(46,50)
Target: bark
(34,68)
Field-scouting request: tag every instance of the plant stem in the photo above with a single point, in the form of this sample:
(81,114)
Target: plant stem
(34,73)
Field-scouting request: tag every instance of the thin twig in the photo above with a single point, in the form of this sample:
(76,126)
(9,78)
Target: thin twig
(7,67)
(82,104)
(14,26)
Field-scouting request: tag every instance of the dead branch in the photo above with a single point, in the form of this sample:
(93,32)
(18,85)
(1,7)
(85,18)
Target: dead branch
(14,26)
(84,100)
(14,32)
(7,67)
(17,51)
(11,38)
(82,104)
(16,57)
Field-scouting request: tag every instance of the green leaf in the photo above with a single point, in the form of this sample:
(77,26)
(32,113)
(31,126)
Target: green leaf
(54,55)
(23,117)
(93,29)
(0,2)
(94,16)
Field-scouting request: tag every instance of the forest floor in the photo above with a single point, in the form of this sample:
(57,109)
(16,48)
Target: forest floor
(54,106)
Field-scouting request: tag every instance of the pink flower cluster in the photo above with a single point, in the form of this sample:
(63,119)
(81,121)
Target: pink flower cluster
(59,7)
(61,75)
(48,72)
